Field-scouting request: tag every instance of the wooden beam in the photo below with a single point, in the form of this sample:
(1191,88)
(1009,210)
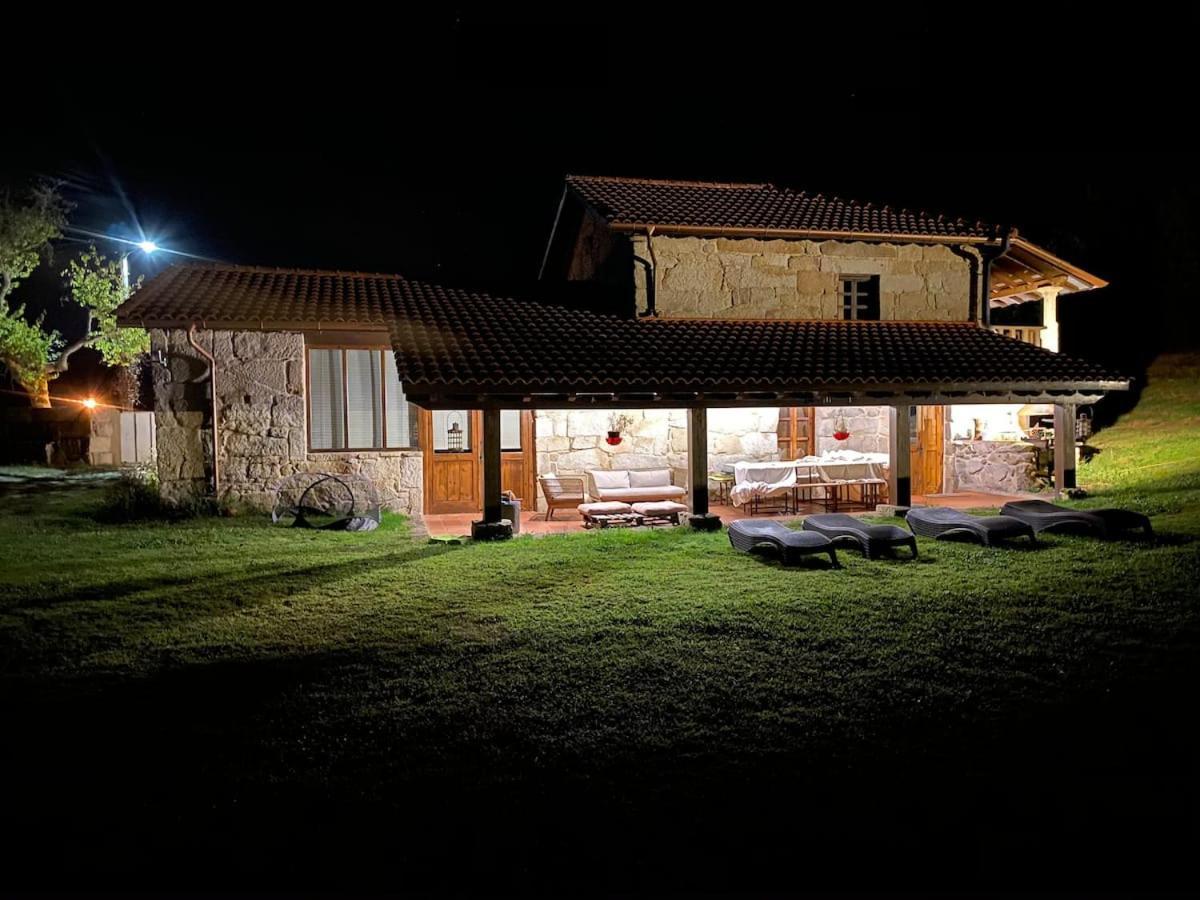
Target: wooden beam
(698,459)
(491,466)
(899,456)
(700,518)
(1064,448)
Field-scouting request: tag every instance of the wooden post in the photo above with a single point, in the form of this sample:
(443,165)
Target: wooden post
(899,457)
(1064,448)
(492,526)
(698,470)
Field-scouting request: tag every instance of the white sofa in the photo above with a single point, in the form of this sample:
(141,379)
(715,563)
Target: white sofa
(633,485)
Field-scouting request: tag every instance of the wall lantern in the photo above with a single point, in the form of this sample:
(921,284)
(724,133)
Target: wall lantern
(840,431)
(454,435)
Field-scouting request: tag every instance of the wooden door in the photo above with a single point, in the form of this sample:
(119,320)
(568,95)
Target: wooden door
(928,438)
(795,432)
(453,475)
(454,463)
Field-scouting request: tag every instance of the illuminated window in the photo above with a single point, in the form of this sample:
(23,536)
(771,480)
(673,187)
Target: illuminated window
(860,297)
(356,402)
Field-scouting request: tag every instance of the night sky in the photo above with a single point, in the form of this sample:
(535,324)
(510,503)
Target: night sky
(437,149)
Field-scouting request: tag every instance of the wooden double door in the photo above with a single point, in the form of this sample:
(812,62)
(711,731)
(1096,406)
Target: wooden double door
(452,447)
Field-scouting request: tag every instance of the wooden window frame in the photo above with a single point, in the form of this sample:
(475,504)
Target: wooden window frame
(852,296)
(381,351)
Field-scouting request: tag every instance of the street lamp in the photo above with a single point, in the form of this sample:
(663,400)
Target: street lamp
(146,247)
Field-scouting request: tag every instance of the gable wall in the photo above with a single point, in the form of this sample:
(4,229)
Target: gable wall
(753,278)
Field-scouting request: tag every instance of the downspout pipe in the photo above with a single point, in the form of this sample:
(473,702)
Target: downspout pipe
(651,268)
(212,380)
(973,262)
(989,254)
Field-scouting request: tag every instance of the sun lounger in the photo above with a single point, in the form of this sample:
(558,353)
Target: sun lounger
(939,521)
(1043,516)
(748,534)
(871,539)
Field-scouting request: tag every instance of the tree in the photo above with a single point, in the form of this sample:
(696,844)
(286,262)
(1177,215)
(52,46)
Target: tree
(27,226)
(33,355)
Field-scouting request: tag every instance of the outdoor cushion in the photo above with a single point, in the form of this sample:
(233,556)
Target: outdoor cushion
(871,539)
(610,478)
(1043,516)
(635,494)
(602,509)
(649,478)
(747,535)
(659,508)
(939,521)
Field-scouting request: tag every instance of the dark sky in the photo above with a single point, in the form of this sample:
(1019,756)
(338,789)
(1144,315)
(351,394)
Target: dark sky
(437,148)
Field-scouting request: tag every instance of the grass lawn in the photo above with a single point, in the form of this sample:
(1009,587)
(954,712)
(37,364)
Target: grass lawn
(220,701)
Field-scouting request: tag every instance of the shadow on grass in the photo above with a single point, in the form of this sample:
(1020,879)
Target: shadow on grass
(260,585)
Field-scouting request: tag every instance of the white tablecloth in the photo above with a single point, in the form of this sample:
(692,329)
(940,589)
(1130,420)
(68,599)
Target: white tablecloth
(764,479)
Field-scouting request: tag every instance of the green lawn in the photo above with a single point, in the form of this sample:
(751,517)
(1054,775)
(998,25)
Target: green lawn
(599,707)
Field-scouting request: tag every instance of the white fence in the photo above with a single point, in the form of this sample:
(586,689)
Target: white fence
(121,438)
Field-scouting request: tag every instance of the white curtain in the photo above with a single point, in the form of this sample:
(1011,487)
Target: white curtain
(325,400)
(364,398)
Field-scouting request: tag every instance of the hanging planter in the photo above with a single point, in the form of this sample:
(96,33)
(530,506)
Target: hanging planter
(616,424)
(840,431)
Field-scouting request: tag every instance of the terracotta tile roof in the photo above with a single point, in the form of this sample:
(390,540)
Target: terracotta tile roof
(449,339)
(739,208)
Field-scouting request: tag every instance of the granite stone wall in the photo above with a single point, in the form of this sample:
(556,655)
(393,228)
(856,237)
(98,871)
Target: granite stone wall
(262,427)
(798,279)
(868,427)
(1003,467)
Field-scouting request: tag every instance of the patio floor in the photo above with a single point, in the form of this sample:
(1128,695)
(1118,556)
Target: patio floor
(565,522)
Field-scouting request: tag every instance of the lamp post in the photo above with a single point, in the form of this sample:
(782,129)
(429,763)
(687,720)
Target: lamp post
(146,247)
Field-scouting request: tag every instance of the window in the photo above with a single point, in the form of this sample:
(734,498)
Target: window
(860,297)
(356,402)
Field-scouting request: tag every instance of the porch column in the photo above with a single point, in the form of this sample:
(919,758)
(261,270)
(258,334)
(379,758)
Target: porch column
(492,525)
(1064,447)
(1050,317)
(700,518)
(899,457)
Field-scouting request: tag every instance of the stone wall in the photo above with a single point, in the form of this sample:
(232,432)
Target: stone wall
(1003,467)
(751,278)
(868,427)
(263,430)
(572,441)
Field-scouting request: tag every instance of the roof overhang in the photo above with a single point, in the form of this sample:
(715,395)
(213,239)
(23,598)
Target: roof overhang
(1021,274)
(659,228)
(434,396)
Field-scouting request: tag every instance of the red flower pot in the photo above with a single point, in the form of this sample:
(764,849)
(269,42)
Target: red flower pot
(840,435)
(613,439)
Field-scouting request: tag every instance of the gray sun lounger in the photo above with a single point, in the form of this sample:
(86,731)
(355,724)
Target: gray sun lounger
(871,539)
(1043,516)
(939,521)
(748,534)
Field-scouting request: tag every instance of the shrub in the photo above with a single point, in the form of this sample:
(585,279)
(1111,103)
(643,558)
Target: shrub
(135,497)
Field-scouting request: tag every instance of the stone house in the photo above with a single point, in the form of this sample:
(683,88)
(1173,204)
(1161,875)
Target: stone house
(884,313)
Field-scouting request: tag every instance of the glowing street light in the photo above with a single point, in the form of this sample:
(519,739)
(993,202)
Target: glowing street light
(89,403)
(146,247)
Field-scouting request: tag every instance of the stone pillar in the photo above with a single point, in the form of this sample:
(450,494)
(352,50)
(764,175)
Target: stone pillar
(899,458)
(493,525)
(1064,448)
(700,518)
(1050,317)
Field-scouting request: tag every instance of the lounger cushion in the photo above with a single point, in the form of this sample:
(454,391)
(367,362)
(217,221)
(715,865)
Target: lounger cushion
(660,508)
(649,478)
(602,509)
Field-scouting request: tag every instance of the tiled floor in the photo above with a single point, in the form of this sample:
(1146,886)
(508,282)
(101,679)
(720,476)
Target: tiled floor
(564,522)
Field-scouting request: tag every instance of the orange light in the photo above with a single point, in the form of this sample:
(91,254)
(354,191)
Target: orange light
(90,403)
